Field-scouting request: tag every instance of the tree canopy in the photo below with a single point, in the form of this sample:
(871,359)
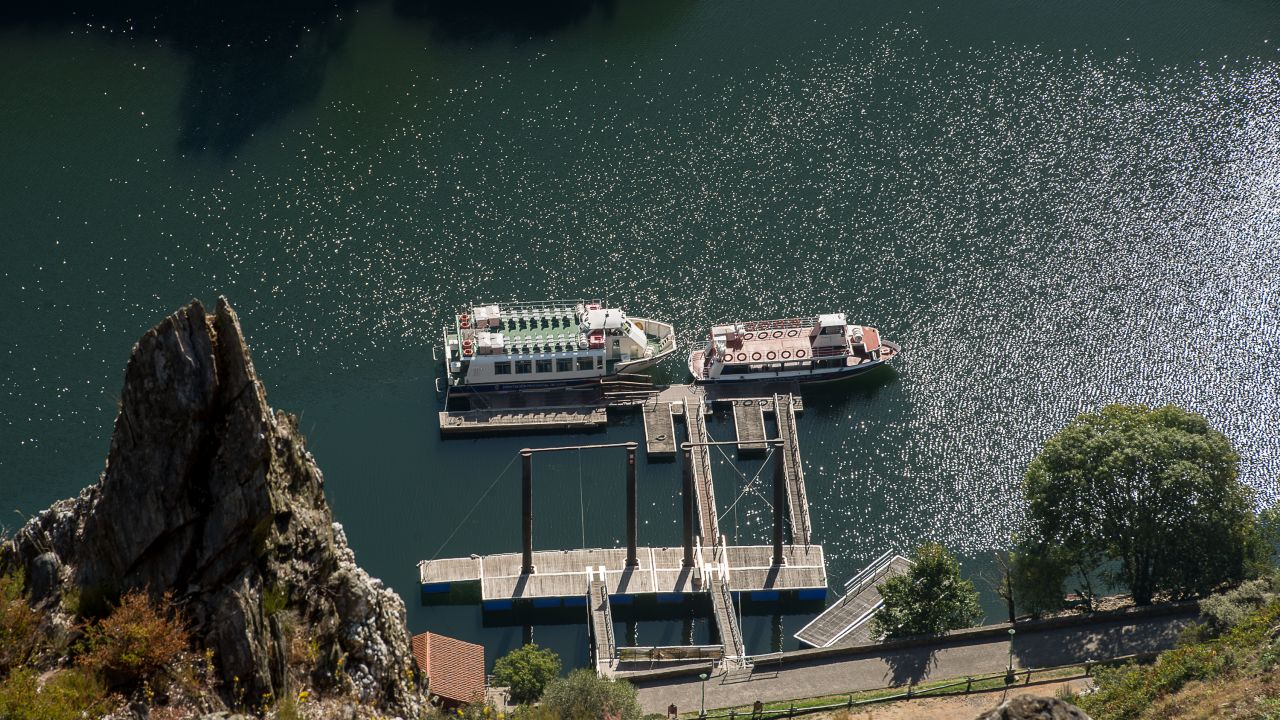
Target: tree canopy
(1148,498)
(585,696)
(930,598)
(526,672)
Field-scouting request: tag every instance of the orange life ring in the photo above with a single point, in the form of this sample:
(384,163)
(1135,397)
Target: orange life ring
(777,334)
(799,353)
(747,336)
(786,354)
(772,355)
(793,333)
(755,356)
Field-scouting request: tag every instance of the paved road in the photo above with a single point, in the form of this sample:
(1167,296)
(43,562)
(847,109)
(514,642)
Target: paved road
(1031,649)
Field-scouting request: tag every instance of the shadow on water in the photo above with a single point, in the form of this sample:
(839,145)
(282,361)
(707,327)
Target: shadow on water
(251,63)
(481,20)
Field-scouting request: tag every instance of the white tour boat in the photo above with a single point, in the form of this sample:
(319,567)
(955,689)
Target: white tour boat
(546,344)
(803,349)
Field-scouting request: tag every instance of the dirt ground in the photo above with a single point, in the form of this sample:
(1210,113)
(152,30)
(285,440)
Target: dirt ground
(959,707)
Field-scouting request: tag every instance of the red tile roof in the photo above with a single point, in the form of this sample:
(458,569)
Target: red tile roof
(455,669)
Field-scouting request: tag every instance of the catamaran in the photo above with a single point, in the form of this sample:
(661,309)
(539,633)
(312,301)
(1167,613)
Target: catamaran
(825,347)
(547,344)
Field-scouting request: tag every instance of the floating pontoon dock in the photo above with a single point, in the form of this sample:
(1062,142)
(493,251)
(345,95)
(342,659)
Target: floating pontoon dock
(703,566)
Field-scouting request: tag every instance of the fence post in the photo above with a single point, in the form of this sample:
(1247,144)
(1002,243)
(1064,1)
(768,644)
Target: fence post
(908,691)
(968,685)
(850,699)
(792,711)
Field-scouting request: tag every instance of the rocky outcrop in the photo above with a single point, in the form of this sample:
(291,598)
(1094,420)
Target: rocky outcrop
(1030,707)
(209,494)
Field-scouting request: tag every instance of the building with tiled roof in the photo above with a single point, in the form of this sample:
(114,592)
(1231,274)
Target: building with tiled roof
(454,669)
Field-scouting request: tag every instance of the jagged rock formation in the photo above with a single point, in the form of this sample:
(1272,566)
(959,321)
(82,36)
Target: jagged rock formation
(211,495)
(1030,707)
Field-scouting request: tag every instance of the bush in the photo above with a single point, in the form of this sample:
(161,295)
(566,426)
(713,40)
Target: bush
(19,623)
(136,641)
(526,671)
(1226,610)
(68,695)
(585,696)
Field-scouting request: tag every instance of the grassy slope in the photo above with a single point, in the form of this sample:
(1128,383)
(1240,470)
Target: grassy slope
(1232,676)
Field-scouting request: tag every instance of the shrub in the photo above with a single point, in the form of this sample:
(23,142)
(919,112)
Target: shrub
(19,623)
(68,695)
(1226,610)
(585,696)
(136,641)
(526,671)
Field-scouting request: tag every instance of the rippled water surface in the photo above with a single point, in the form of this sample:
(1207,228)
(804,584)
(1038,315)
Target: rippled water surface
(1049,208)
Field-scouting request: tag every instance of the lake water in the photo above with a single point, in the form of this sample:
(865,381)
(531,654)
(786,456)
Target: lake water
(1049,205)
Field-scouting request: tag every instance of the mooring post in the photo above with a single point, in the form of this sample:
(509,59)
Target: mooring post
(526,459)
(687,496)
(632,559)
(779,506)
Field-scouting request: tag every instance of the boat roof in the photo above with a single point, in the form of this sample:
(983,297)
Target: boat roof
(606,319)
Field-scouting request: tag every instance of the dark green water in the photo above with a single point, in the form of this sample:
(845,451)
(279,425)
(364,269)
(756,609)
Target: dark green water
(1051,205)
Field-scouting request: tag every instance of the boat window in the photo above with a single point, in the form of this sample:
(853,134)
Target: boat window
(599,362)
(833,330)
(564,365)
(734,369)
(586,363)
(524,367)
(502,368)
(543,366)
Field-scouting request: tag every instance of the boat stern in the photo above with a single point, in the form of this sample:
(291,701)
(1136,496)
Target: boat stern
(699,362)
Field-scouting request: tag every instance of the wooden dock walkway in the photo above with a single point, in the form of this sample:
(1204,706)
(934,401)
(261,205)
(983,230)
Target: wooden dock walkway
(561,575)
(748,424)
(603,646)
(704,488)
(793,468)
(727,621)
(457,422)
(659,428)
(848,621)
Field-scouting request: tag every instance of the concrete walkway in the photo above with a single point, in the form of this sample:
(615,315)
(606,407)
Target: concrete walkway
(956,659)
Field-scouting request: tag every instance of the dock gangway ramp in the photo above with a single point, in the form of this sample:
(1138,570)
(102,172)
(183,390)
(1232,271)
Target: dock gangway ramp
(603,646)
(848,621)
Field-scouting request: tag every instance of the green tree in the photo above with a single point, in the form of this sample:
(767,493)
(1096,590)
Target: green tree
(929,598)
(526,671)
(585,696)
(1152,493)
